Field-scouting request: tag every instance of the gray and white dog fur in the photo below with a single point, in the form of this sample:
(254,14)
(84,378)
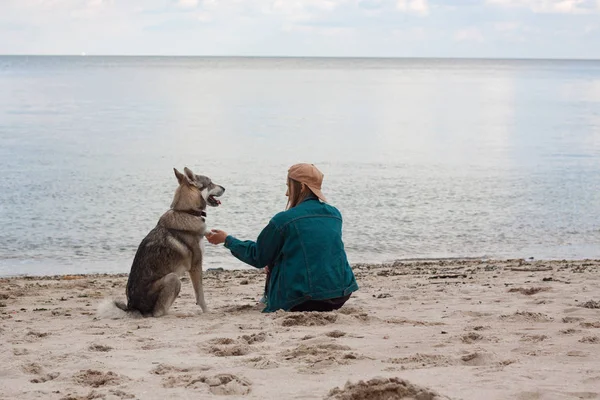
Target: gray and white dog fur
(173,247)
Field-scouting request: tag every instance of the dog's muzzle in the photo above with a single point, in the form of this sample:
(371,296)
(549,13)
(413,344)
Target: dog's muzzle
(212,197)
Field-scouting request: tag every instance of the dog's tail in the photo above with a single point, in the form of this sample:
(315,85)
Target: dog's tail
(116,309)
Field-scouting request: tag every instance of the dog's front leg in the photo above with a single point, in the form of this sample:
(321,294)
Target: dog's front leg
(205,232)
(196,277)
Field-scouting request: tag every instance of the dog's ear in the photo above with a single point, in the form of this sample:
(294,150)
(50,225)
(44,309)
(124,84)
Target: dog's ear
(180,177)
(189,174)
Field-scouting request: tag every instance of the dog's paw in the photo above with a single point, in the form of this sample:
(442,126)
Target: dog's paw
(203,307)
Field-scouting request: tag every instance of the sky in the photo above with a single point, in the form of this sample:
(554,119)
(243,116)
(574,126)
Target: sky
(336,28)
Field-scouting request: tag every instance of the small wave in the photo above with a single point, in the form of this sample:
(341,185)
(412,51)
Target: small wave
(411,259)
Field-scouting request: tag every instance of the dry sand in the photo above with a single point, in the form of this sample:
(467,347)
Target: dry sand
(421,330)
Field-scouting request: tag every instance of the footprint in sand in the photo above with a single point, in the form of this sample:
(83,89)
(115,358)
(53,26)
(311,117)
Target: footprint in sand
(383,389)
(471,337)
(239,308)
(99,347)
(356,313)
(46,377)
(591,304)
(526,316)
(309,319)
(590,339)
(533,353)
(32,368)
(222,341)
(570,320)
(261,362)
(98,379)
(569,331)
(227,347)
(121,394)
(477,328)
(37,369)
(233,351)
(418,361)
(228,385)
(186,380)
(186,377)
(304,350)
(35,335)
(152,346)
(575,353)
(164,369)
(590,324)
(254,338)
(222,384)
(335,334)
(529,291)
(97,395)
(320,356)
(90,396)
(533,338)
(477,359)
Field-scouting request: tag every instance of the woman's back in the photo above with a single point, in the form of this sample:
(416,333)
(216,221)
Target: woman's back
(312,263)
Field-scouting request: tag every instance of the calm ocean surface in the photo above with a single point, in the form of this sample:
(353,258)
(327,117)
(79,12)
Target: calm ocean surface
(424,158)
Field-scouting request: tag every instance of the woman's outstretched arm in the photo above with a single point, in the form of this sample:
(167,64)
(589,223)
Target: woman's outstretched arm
(258,254)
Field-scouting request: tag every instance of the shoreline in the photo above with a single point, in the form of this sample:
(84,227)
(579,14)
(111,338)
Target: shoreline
(464,329)
(374,265)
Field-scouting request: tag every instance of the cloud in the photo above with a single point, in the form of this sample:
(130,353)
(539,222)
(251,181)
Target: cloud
(410,33)
(204,17)
(420,7)
(319,30)
(469,35)
(371,4)
(464,28)
(506,26)
(551,6)
(187,3)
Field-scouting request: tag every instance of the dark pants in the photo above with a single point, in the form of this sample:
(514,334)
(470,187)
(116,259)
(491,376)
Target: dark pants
(321,305)
(313,305)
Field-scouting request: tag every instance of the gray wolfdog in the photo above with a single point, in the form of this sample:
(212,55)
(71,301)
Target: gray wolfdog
(173,247)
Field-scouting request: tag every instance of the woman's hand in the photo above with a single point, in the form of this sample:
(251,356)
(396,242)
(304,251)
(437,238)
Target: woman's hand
(216,236)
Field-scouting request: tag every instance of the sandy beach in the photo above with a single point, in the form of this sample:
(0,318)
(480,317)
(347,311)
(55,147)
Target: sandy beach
(458,329)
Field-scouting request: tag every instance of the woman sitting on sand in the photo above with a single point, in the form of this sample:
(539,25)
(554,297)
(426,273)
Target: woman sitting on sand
(307,267)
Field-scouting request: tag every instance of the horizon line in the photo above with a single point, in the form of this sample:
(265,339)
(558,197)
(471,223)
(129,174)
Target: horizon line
(307,57)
